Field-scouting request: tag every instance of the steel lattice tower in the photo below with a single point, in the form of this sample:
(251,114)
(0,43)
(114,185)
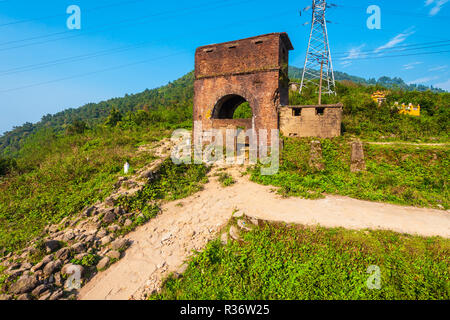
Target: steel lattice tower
(318,68)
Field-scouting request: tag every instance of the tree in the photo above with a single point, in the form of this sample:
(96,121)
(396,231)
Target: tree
(114,117)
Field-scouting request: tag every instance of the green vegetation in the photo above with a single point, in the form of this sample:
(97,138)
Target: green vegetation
(277,262)
(365,119)
(386,82)
(226,179)
(395,173)
(174,182)
(244,111)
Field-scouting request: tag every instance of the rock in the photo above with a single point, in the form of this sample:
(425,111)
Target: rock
(315,156)
(119,244)
(68,236)
(81,256)
(238,214)
(46,295)
(113,228)
(78,247)
(101,233)
(24,285)
(63,254)
(254,221)
(109,202)
(26,266)
(5,297)
(91,211)
(128,223)
(56,295)
(89,239)
(114,254)
(39,290)
(58,279)
(243,225)
(224,238)
(357,160)
(105,240)
(109,217)
(103,264)
(70,269)
(52,267)
(23,297)
(52,245)
(42,264)
(119,211)
(234,233)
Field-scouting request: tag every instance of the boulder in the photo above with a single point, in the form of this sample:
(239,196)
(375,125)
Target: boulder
(119,244)
(234,233)
(52,245)
(24,285)
(114,254)
(103,264)
(70,269)
(5,297)
(56,295)
(39,290)
(128,223)
(243,225)
(78,247)
(63,254)
(52,267)
(109,217)
(105,240)
(42,264)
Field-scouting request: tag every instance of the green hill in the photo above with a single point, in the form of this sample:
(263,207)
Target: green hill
(179,94)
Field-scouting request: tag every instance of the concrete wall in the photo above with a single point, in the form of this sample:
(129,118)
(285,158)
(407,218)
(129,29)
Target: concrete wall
(309,123)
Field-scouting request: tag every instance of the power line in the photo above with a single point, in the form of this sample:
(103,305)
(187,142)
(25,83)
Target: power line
(115,26)
(81,57)
(64,14)
(390,50)
(130,64)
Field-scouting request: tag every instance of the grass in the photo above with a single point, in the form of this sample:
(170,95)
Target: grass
(226,179)
(277,262)
(400,174)
(174,182)
(58,176)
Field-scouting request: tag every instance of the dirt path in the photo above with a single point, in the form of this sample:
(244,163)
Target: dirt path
(163,244)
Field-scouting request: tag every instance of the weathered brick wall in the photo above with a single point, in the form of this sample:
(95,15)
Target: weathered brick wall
(309,123)
(254,69)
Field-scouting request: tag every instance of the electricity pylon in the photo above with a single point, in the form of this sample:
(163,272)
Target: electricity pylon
(318,68)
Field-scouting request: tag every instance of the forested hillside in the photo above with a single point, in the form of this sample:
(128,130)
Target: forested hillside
(176,94)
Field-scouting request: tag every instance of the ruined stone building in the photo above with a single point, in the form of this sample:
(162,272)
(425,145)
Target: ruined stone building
(255,70)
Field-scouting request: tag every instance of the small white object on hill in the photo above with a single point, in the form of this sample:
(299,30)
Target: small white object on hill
(126,168)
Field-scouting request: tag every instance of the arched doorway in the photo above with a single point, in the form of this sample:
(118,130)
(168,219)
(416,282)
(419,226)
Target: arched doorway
(232,106)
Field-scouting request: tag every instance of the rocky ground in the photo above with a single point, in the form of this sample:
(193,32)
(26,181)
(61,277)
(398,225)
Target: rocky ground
(42,270)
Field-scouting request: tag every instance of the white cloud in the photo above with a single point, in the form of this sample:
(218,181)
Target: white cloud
(440,68)
(423,80)
(444,85)
(410,66)
(437,6)
(354,53)
(395,41)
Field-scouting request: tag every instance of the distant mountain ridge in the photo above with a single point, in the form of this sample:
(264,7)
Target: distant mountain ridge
(179,92)
(391,83)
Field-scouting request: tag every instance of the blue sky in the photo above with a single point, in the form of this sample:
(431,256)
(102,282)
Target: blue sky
(128,46)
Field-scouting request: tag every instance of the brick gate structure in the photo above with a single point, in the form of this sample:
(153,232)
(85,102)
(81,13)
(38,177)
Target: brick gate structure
(253,70)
